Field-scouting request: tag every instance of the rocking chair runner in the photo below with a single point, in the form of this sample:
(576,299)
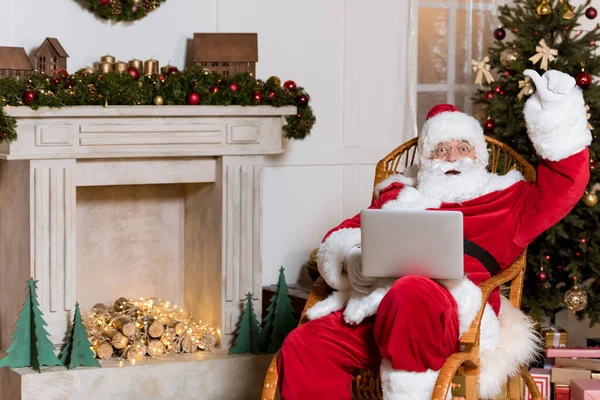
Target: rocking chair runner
(366,384)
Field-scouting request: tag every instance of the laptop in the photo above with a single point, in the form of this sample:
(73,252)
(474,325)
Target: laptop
(424,243)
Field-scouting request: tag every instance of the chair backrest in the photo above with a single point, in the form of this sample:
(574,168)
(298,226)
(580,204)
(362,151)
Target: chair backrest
(502,159)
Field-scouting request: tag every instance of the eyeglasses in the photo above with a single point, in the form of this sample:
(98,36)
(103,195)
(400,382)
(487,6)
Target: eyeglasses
(444,151)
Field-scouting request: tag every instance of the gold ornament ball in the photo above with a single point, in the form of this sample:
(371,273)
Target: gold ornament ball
(590,199)
(576,299)
(137,2)
(158,100)
(276,80)
(508,56)
(544,8)
(206,71)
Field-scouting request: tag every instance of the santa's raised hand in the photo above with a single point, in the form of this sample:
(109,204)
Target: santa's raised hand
(552,86)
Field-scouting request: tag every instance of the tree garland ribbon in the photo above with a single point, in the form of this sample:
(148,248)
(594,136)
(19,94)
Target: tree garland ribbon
(191,87)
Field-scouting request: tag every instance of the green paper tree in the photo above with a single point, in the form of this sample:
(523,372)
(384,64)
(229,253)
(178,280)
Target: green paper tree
(267,327)
(77,351)
(571,248)
(31,346)
(248,333)
(283,317)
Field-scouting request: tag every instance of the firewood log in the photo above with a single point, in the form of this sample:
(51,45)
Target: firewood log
(187,345)
(119,340)
(125,325)
(156,348)
(156,330)
(103,350)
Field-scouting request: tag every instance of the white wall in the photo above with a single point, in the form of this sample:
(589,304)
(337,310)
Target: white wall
(348,54)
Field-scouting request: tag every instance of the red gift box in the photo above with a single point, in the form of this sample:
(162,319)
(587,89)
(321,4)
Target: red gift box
(562,392)
(585,389)
(541,377)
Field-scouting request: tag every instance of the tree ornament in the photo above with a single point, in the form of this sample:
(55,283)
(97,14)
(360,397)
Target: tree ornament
(483,69)
(590,199)
(526,88)
(541,276)
(570,13)
(103,2)
(499,33)
(159,101)
(576,299)
(257,96)
(489,95)
(302,100)
(133,72)
(588,116)
(61,73)
(271,95)
(583,79)
(544,8)
(29,96)
(592,164)
(543,53)
(70,85)
(172,70)
(488,125)
(56,81)
(214,89)
(591,13)
(192,99)
(275,80)
(508,56)
(162,78)
(289,85)
(233,87)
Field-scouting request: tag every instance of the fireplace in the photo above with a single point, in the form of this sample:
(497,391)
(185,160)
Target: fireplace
(102,202)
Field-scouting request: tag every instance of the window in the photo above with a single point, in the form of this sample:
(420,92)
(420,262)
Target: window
(43,66)
(225,73)
(447,35)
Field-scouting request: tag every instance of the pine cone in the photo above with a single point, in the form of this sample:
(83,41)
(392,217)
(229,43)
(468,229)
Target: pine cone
(149,5)
(116,7)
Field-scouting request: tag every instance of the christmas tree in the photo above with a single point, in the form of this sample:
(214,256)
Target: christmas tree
(248,333)
(279,320)
(31,346)
(284,320)
(77,351)
(543,35)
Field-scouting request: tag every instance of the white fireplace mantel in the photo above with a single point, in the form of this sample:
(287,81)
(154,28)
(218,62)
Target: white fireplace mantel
(55,177)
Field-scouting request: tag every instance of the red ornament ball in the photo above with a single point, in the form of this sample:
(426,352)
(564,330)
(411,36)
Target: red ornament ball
(70,85)
(541,276)
(583,79)
(271,94)
(62,73)
(489,95)
(498,89)
(29,96)
(499,33)
(103,2)
(162,78)
(4,134)
(591,13)
(302,100)
(172,70)
(193,99)
(289,85)
(134,73)
(488,126)
(56,81)
(214,89)
(592,164)
(233,87)
(257,96)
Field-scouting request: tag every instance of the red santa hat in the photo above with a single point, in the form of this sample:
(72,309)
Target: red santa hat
(446,122)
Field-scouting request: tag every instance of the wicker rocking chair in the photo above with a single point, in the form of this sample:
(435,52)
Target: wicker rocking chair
(366,385)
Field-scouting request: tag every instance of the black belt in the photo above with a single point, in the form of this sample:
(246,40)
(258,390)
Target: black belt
(481,254)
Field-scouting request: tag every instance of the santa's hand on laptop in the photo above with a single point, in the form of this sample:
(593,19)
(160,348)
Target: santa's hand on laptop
(358,282)
(552,86)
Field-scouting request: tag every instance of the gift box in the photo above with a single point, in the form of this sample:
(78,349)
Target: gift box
(585,389)
(541,377)
(591,364)
(554,337)
(563,376)
(562,392)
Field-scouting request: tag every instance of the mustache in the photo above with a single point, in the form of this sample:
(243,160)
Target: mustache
(440,167)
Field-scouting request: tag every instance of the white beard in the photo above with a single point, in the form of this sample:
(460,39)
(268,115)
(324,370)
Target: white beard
(469,184)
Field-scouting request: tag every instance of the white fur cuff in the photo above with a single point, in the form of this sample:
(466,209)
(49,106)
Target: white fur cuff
(331,256)
(468,298)
(559,130)
(405,385)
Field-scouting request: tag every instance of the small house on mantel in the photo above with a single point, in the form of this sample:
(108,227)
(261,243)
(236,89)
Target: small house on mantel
(226,53)
(14,62)
(50,57)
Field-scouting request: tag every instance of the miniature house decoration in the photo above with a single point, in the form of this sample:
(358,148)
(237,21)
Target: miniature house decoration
(226,53)
(14,62)
(50,57)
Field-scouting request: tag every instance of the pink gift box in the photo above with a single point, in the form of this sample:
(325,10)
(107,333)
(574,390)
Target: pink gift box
(541,377)
(585,389)
(573,352)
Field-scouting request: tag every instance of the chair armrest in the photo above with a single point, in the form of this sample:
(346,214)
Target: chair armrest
(319,291)
(444,380)
(269,391)
(471,336)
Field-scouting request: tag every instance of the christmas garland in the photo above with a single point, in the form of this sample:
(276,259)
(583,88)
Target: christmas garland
(193,86)
(123,10)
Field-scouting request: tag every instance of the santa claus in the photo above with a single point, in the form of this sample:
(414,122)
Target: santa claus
(412,325)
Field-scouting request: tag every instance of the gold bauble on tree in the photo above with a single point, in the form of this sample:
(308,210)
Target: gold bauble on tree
(570,13)
(508,56)
(158,100)
(576,299)
(590,199)
(544,8)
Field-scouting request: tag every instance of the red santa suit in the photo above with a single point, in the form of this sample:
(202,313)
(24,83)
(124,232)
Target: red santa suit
(412,325)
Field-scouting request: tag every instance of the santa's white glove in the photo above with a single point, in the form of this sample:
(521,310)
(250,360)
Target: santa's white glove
(552,86)
(353,266)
